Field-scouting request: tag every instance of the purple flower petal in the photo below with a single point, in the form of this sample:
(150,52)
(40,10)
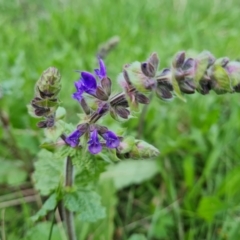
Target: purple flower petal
(101,72)
(112,140)
(77,96)
(78,85)
(89,83)
(73,138)
(94,146)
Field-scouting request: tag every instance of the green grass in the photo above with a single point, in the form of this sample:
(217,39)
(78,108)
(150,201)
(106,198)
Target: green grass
(196,193)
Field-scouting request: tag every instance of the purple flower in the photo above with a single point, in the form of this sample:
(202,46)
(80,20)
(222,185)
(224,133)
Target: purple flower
(73,138)
(101,72)
(112,140)
(94,146)
(87,83)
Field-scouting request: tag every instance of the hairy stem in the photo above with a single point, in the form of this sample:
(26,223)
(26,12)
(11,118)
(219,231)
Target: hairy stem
(68,216)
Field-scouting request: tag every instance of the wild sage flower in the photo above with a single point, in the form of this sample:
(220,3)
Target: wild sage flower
(111,140)
(74,138)
(94,145)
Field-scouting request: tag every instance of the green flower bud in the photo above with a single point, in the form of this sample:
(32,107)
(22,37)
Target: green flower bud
(139,80)
(220,80)
(136,149)
(233,70)
(48,85)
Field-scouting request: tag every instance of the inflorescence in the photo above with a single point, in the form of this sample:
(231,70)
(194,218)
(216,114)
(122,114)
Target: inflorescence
(94,92)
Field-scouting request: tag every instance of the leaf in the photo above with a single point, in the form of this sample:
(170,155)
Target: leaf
(41,231)
(11,172)
(48,172)
(104,228)
(130,172)
(209,206)
(49,205)
(86,204)
(60,113)
(137,236)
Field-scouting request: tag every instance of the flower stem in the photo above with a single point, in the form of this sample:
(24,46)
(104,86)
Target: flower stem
(68,216)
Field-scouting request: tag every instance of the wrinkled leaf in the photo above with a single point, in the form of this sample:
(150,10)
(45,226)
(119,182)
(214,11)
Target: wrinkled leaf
(86,204)
(48,172)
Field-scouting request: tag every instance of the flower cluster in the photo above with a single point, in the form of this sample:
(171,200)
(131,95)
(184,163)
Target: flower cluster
(98,87)
(111,140)
(45,101)
(186,75)
(202,74)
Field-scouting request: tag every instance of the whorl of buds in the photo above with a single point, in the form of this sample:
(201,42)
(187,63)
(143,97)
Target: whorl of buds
(45,101)
(202,73)
(136,149)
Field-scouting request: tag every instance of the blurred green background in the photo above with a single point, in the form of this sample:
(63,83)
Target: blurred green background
(195,193)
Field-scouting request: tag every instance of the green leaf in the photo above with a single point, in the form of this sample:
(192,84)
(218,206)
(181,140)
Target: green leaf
(48,172)
(41,231)
(137,236)
(49,205)
(130,172)
(86,204)
(103,228)
(11,172)
(209,206)
(60,113)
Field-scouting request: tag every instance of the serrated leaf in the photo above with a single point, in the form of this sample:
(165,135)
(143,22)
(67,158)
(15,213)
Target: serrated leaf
(130,172)
(48,172)
(49,205)
(86,204)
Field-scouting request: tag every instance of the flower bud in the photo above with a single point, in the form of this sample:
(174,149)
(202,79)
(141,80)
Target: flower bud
(164,87)
(220,81)
(150,67)
(106,85)
(138,79)
(233,70)
(48,84)
(100,94)
(178,59)
(136,149)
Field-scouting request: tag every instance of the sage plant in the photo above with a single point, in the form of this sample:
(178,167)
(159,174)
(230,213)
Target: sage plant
(90,144)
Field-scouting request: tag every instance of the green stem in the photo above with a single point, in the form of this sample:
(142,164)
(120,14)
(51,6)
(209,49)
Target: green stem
(68,216)
(53,220)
